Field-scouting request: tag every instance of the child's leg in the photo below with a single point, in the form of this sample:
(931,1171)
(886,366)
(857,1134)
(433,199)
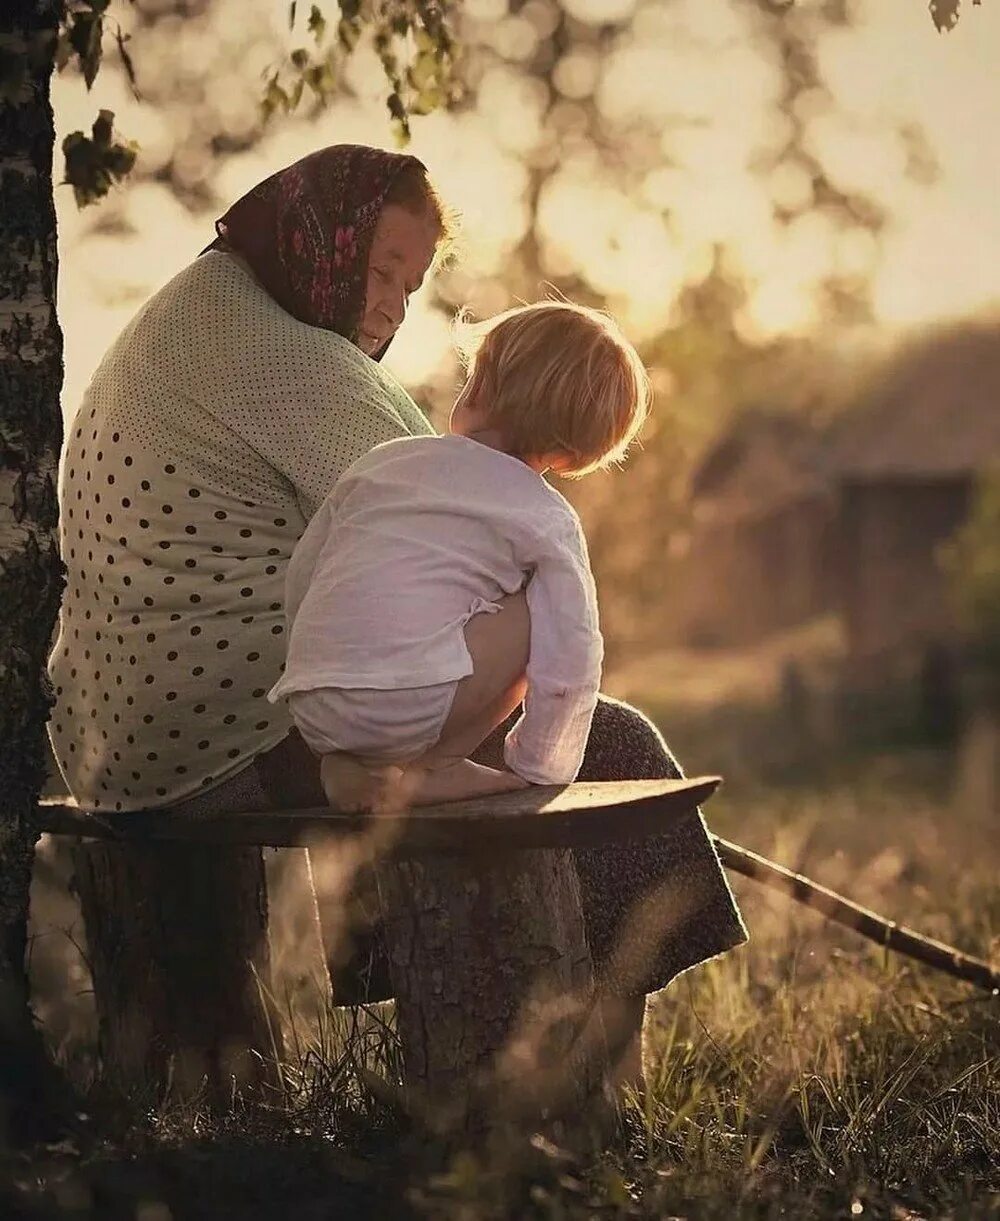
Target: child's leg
(498,645)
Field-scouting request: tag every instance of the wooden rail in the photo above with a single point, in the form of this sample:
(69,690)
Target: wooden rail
(852,915)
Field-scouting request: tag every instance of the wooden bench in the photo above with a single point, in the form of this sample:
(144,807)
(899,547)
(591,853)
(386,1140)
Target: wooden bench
(490,968)
(493,980)
(567,816)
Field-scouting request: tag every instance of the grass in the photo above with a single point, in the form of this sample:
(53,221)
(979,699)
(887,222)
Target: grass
(810,1074)
(807,1075)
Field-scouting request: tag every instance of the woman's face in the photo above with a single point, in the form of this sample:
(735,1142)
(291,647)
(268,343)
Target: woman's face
(402,250)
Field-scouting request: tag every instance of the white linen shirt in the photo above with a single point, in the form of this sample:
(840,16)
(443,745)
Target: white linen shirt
(419,535)
(213,428)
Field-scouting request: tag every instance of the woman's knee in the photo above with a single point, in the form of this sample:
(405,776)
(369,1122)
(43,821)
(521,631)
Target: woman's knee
(624,744)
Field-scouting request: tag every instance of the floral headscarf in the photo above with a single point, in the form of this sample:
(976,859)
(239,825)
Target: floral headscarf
(307,232)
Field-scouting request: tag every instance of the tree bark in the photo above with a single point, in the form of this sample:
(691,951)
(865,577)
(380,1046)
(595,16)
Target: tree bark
(177,941)
(30,569)
(494,991)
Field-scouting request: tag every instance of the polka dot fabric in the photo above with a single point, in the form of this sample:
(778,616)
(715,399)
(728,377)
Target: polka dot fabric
(212,430)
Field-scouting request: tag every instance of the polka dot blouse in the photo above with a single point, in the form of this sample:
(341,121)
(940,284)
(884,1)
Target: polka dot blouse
(212,430)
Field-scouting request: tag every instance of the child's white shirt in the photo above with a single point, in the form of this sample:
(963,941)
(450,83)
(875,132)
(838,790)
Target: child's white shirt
(416,537)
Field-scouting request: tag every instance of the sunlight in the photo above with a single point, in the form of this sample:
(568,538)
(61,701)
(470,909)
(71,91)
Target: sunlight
(597,12)
(627,253)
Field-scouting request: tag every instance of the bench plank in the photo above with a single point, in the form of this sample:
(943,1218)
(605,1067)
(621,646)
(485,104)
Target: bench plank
(542,816)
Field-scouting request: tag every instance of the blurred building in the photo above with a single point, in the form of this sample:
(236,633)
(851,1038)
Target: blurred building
(905,462)
(763,524)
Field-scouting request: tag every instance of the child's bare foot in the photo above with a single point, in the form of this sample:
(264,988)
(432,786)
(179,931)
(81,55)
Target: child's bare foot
(461,779)
(351,785)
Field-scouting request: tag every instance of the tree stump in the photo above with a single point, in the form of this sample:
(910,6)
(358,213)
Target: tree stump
(178,948)
(494,991)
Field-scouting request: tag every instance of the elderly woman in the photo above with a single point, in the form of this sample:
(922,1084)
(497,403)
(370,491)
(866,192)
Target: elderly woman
(212,430)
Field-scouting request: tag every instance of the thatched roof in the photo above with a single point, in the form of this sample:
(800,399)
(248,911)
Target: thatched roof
(765,462)
(932,412)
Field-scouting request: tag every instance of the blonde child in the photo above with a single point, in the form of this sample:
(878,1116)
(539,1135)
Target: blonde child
(408,593)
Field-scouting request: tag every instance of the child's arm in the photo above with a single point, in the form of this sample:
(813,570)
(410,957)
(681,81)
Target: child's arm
(547,743)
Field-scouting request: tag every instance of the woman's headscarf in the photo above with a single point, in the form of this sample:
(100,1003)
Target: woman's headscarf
(307,232)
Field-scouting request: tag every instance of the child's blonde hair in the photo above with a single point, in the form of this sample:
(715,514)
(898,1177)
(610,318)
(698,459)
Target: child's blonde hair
(557,376)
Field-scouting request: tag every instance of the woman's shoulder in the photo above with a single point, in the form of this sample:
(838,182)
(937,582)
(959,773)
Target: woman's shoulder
(213,271)
(220,284)
(230,279)
(211,295)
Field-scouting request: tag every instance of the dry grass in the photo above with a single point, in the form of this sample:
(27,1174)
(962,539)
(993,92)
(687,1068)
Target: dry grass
(810,1072)
(811,1075)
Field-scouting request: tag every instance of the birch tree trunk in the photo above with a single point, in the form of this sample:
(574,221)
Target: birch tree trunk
(30,568)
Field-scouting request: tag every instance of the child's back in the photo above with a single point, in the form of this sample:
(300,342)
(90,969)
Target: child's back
(418,536)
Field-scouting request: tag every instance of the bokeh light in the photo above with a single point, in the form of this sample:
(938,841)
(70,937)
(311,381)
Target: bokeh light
(693,72)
